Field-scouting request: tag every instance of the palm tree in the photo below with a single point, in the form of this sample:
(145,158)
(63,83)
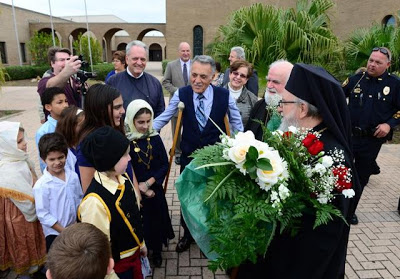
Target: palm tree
(267,33)
(360,43)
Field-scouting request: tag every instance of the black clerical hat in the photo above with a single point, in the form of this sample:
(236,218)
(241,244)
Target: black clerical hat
(319,88)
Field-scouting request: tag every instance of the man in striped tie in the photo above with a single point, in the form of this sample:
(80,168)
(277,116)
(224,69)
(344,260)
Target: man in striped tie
(202,102)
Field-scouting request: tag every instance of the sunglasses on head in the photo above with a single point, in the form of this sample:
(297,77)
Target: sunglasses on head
(382,50)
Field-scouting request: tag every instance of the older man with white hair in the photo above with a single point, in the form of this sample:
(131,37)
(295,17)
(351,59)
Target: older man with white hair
(278,75)
(135,83)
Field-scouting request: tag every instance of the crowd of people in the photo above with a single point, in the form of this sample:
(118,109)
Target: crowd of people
(103,161)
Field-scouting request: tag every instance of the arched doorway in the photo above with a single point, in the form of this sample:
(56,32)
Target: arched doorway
(389,20)
(155,52)
(122,46)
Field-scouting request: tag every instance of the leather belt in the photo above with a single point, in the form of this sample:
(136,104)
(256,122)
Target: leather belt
(358,132)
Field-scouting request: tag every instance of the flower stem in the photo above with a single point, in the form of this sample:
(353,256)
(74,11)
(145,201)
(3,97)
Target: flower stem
(215,165)
(220,184)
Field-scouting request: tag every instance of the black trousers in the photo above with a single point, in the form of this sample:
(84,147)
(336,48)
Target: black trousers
(49,241)
(366,150)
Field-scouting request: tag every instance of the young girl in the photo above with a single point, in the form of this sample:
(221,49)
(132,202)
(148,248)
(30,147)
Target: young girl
(22,243)
(103,107)
(150,164)
(69,126)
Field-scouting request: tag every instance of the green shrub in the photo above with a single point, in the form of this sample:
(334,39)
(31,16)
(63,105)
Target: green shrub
(38,45)
(81,46)
(3,75)
(102,70)
(25,72)
(164,65)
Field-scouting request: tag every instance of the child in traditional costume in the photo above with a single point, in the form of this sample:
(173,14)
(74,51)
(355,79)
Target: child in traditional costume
(22,243)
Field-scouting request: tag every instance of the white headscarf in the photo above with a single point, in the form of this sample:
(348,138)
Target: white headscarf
(131,111)
(15,171)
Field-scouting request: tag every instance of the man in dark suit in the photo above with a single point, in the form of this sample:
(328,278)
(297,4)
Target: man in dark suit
(278,75)
(237,53)
(176,76)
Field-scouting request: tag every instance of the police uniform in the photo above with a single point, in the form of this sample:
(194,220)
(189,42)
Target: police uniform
(372,101)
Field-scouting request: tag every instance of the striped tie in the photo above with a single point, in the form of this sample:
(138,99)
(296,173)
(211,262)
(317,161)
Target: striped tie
(200,114)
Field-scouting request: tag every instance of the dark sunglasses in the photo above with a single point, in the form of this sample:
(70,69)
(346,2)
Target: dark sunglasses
(382,50)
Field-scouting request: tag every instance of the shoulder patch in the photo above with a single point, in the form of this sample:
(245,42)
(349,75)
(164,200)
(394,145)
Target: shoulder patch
(345,82)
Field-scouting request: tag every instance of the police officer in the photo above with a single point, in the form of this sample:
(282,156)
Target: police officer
(374,104)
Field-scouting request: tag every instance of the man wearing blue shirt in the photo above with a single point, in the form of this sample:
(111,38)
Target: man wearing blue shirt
(202,101)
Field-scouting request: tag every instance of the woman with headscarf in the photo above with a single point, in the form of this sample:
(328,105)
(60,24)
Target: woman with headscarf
(150,164)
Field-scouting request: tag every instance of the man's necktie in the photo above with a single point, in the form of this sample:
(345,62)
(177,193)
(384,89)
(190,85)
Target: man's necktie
(185,74)
(200,114)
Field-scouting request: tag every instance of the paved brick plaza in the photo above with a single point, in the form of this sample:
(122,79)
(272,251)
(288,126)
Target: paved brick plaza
(374,246)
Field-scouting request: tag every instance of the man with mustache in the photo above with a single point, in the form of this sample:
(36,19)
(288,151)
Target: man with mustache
(277,77)
(134,83)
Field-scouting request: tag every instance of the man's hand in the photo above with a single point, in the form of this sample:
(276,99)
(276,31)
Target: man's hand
(72,66)
(382,130)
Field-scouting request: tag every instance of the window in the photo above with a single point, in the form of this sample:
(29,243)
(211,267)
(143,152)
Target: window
(23,52)
(3,53)
(197,40)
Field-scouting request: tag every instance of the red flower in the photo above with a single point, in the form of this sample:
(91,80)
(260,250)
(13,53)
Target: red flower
(343,175)
(313,144)
(308,141)
(287,135)
(316,148)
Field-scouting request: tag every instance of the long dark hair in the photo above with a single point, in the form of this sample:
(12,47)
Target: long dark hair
(66,126)
(98,109)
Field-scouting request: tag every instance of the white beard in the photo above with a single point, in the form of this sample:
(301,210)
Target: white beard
(272,98)
(289,120)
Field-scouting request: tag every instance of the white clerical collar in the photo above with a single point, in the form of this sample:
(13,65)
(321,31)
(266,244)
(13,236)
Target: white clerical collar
(129,73)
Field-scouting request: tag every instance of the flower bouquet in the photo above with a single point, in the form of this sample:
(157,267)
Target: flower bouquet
(237,194)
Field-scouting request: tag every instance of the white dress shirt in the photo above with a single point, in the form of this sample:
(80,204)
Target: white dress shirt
(57,200)
(235,119)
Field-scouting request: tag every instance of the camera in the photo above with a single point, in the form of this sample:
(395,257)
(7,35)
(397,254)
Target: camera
(83,75)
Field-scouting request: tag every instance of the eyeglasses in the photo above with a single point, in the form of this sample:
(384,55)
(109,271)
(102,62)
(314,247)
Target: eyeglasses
(236,73)
(281,103)
(382,50)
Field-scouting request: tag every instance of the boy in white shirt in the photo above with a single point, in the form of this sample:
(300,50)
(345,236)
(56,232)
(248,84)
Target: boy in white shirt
(58,192)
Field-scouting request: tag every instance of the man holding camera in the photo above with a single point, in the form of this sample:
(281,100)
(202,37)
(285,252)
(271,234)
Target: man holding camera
(64,67)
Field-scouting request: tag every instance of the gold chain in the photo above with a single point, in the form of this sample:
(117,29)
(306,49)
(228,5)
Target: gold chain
(148,153)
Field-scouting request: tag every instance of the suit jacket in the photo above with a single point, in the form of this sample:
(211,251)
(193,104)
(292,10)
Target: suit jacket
(258,112)
(173,77)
